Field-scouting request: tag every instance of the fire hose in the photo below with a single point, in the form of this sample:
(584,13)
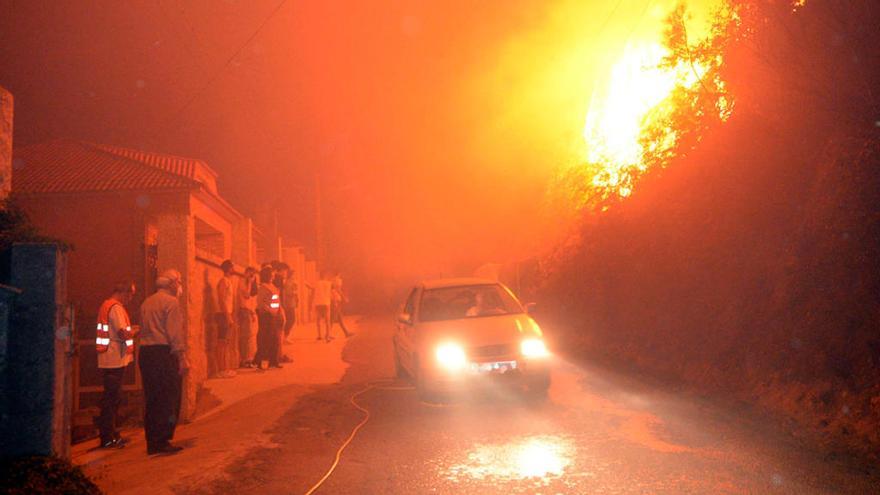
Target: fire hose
(354,431)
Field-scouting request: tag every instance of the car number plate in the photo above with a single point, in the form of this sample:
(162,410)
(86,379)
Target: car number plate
(493,367)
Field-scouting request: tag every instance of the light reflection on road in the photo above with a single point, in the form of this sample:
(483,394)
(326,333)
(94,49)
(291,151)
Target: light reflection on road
(540,457)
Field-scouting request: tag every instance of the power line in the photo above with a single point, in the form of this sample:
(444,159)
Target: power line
(219,72)
(608,19)
(638,21)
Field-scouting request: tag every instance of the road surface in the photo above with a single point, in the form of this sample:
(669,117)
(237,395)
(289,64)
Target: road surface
(597,433)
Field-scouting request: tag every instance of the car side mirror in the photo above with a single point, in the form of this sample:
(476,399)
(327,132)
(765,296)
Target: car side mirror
(404,318)
(531,308)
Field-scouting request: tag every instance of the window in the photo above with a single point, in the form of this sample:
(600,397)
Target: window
(209,240)
(410,303)
(471,301)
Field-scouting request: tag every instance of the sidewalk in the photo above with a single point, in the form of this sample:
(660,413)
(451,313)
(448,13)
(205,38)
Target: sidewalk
(233,416)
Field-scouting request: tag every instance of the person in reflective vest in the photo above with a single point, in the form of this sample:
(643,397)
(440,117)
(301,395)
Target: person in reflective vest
(269,320)
(114,342)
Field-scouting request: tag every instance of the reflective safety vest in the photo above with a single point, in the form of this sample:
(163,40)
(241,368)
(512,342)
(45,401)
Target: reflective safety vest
(102,337)
(275,303)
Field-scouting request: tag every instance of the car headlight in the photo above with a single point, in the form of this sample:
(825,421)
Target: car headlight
(533,348)
(451,356)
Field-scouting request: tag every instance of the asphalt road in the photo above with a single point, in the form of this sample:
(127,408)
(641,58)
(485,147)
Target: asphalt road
(598,432)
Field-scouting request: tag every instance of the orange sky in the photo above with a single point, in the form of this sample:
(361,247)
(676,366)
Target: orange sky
(435,125)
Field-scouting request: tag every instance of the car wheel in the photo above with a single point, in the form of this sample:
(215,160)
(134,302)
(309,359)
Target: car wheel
(399,370)
(425,393)
(538,387)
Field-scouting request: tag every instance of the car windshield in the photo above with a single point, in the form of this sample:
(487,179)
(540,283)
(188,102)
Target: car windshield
(471,301)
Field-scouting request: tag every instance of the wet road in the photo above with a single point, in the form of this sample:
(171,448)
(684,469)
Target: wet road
(597,433)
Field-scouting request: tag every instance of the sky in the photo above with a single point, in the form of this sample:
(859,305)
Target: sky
(433,127)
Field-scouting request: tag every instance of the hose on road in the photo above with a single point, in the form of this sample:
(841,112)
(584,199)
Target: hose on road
(354,431)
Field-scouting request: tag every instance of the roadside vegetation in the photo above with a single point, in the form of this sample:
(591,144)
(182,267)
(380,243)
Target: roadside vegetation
(745,262)
(44,475)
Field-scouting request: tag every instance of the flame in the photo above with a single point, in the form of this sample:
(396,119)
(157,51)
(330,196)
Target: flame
(637,89)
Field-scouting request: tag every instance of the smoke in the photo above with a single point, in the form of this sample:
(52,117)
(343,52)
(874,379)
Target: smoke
(435,127)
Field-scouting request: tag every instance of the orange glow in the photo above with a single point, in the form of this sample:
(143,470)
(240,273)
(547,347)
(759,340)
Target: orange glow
(630,94)
(535,457)
(637,90)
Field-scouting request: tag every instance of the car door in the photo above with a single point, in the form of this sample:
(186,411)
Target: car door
(406,331)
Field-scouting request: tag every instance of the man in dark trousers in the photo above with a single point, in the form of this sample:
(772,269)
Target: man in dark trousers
(269,320)
(163,362)
(114,343)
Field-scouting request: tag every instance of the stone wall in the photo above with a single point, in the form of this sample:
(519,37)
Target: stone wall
(5,143)
(37,375)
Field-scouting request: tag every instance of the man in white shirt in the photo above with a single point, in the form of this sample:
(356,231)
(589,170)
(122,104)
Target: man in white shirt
(225,320)
(323,297)
(338,299)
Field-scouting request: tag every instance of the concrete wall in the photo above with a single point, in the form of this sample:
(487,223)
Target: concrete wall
(176,237)
(6,103)
(116,229)
(108,228)
(37,378)
(216,221)
(7,300)
(294,256)
(243,248)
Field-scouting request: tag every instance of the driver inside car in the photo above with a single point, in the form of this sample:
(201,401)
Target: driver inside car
(482,306)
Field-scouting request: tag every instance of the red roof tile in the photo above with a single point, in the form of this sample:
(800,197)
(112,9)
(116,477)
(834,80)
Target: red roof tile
(73,166)
(187,167)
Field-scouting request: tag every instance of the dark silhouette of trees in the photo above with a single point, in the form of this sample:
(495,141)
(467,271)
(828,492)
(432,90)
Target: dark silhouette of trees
(747,263)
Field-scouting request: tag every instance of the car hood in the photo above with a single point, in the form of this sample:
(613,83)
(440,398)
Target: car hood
(481,331)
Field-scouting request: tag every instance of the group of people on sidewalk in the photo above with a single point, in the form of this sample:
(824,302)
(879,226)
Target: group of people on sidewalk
(254,315)
(257,313)
(162,360)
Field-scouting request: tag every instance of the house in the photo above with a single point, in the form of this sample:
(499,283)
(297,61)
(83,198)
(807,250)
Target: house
(131,214)
(6,105)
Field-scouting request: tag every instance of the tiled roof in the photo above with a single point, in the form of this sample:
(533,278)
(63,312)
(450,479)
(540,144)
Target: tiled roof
(73,166)
(187,167)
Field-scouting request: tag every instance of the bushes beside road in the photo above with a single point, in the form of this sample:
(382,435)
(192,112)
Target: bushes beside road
(750,267)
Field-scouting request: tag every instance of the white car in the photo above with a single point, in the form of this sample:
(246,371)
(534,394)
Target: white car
(456,332)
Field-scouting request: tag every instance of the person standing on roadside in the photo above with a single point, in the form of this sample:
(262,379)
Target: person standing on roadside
(115,346)
(246,295)
(289,301)
(224,319)
(163,362)
(279,281)
(337,301)
(323,298)
(268,320)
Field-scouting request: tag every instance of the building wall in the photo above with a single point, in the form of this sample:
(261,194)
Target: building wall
(5,143)
(243,248)
(201,276)
(111,234)
(218,222)
(107,235)
(107,232)
(295,257)
(36,419)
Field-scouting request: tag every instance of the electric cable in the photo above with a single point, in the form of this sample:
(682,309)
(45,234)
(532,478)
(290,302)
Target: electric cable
(213,78)
(354,431)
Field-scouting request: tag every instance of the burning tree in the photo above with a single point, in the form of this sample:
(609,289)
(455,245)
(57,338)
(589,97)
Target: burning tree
(742,254)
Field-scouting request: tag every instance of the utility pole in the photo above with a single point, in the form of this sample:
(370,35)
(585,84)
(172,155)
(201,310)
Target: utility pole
(319,224)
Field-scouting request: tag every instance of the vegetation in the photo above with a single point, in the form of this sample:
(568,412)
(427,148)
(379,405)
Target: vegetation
(748,264)
(15,226)
(44,475)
